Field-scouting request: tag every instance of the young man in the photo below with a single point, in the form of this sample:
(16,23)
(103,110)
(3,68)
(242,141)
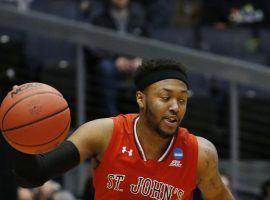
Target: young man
(116,69)
(139,156)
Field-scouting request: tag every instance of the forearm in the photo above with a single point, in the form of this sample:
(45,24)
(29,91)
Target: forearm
(34,170)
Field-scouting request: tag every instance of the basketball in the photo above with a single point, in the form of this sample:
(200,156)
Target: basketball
(34,118)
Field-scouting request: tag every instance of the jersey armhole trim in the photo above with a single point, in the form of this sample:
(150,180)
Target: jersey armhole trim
(195,145)
(107,155)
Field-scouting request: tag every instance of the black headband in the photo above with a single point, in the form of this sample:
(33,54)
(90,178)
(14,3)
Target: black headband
(156,76)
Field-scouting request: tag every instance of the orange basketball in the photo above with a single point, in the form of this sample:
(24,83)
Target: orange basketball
(34,118)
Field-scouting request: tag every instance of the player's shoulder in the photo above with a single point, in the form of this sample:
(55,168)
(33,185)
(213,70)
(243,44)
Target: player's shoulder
(102,124)
(105,126)
(126,117)
(205,144)
(124,120)
(207,153)
(92,137)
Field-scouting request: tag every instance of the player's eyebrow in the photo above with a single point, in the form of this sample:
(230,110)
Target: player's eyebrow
(181,91)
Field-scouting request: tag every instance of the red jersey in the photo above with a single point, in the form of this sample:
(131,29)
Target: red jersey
(124,173)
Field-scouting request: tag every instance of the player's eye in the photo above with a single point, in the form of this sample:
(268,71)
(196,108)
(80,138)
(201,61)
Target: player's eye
(165,98)
(182,101)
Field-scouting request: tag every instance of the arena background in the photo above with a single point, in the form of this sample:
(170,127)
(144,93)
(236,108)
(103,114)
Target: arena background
(230,86)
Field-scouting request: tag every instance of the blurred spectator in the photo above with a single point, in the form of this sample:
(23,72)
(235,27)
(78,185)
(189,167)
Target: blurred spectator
(89,9)
(116,69)
(158,12)
(45,191)
(243,13)
(52,190)
(230,13)
(187,12)
(265,190)
(63,8)
(123,16)
(24,5)
(25,194)
(62,195)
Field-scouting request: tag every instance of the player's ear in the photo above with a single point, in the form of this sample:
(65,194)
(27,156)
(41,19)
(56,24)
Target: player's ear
(140,98)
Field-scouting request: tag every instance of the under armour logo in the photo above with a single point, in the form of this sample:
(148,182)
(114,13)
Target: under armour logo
(124,150)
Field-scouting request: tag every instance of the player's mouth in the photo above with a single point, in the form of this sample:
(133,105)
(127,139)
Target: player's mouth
(171,121)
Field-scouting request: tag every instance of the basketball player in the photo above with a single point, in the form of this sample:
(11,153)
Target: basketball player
(138,156)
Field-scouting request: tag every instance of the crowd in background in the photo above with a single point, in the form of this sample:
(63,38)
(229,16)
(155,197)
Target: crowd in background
(231,28)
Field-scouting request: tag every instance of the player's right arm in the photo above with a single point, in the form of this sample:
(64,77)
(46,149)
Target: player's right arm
(89,140)
(92,138)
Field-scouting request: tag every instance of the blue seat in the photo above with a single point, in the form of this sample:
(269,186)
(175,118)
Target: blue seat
(265,35)
(64,8)
(48,51)
(230,42)
(199,84)
(175,35)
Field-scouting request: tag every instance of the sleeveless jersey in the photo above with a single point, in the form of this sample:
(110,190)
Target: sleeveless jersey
(125,174)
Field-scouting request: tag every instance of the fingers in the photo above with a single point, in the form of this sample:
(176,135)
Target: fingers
(15,87)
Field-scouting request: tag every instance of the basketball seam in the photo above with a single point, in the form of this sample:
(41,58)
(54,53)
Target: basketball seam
(23,100)
(33,122)
(68,124)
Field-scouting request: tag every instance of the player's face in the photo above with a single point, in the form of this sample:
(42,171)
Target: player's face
(165,106)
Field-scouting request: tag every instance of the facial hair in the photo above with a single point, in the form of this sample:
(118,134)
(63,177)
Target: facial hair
(149,116)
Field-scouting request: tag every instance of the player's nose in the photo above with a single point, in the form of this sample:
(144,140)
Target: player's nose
(174,106)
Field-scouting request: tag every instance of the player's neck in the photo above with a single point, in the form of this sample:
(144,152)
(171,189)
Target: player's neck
(153,145)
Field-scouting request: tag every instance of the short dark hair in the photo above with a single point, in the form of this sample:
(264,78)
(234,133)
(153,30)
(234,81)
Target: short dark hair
(152,66)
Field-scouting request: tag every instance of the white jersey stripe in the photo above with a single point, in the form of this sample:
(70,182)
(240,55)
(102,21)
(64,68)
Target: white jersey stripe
(140,146)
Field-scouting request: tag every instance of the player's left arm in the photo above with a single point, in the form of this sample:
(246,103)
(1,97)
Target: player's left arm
(209,180)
